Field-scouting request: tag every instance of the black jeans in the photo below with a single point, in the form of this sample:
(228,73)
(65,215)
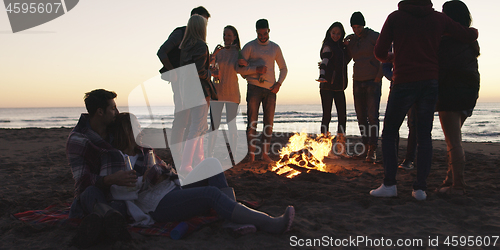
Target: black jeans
(327,98)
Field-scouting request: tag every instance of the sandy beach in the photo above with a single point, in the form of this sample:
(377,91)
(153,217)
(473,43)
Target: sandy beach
(34,174)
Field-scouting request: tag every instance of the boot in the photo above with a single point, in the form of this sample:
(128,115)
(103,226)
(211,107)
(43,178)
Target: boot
(236,229)
(114,224)
(275,225)
(371,155)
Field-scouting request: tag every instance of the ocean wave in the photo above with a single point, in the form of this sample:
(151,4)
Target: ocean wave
(4,121)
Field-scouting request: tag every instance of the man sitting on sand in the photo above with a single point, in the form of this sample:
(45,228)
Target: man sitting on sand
(90,157)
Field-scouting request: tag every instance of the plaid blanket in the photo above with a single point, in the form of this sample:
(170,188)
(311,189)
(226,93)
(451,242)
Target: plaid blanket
(57,216)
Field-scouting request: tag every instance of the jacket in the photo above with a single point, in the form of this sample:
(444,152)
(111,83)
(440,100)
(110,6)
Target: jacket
(366,66)
(415,30)
(198,54)
(458,75)
(333,67)
(170,49)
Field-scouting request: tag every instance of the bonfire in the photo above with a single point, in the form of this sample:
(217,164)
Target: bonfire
(303,153)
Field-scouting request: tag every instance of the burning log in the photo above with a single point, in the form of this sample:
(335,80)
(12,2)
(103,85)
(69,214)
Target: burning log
(303,152)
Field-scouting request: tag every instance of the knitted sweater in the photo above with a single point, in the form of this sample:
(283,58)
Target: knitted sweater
(228,89)
(260,54)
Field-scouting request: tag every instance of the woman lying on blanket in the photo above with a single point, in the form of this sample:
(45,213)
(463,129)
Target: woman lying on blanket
(162,197)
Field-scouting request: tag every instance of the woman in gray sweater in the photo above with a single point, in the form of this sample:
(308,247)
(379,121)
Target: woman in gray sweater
(228,89)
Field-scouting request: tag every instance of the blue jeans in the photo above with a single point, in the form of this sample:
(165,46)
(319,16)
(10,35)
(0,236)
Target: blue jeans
(256,96)
(422,94)
(195,199)
(367,103)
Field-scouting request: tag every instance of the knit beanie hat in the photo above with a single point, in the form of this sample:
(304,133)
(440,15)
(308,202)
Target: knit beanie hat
(262,24)
(357,19)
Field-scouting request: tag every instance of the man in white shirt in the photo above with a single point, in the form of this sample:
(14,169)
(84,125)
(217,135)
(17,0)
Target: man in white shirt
(262,86)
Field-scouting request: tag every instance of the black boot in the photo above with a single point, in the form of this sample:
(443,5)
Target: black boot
(114,223)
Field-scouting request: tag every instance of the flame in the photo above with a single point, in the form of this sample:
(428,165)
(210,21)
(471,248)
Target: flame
(305,152)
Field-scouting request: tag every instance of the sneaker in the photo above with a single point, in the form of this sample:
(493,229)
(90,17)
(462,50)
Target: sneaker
(408,165)
(420,195)
(385,191)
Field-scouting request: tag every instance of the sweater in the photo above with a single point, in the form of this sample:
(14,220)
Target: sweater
(416,31)
(366,66)
(228,89)
(260,54)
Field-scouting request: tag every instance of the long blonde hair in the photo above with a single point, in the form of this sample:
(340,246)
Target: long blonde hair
(196,30)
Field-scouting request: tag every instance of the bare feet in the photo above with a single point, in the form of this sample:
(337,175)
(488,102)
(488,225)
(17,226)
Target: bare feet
(266,158)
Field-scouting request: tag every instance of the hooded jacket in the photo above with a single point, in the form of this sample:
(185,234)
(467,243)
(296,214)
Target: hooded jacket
(416,30)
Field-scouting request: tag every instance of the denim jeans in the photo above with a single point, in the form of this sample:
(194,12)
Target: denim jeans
(367,103)
(411,144)
(327,98)
(195,199)
(256,96)
(422,94)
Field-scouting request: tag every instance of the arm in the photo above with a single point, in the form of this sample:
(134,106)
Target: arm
(200,58)
(325,55)
(283,70)
(247,70)
(173,41)
(384,41)
(460,32)
(281,65)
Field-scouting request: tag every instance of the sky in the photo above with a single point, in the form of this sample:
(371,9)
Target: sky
(112,44)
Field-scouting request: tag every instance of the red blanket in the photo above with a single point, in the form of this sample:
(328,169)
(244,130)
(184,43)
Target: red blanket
(59,216)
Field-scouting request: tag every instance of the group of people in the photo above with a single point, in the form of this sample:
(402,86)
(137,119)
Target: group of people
(430,57)
(118,180)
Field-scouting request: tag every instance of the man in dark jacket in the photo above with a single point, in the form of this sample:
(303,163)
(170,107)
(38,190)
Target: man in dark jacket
(416,30)
(170,56)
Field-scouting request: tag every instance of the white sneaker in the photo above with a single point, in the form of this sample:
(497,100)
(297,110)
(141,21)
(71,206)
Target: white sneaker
(385,191)
(419,195)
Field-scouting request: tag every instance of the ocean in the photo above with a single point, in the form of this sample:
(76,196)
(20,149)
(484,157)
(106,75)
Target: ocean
(482,126)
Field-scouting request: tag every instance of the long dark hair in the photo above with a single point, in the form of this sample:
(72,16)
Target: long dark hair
(123,134)
(458,11)
(329,38)
(235,32)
